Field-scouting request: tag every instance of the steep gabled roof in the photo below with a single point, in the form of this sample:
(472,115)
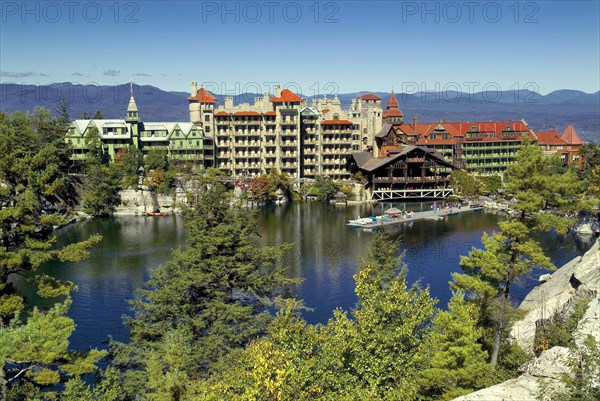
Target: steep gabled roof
(392,102)
(392,113)
(549,138)
(571,137)
(385,129)
(371,165)
(203,96)
(287,96)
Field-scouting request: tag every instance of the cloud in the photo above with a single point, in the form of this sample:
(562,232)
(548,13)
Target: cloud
(44,75)
(163,74)
(10,74)
(141,74)
(77,74)
(112,73)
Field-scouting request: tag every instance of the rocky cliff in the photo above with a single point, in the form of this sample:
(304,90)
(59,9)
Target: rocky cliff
(558,292)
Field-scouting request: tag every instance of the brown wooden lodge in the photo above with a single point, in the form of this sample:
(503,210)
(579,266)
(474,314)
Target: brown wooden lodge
(412,172)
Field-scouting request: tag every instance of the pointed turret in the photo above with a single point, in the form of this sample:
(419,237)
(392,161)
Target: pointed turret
(132,110)
(571,137)
(392,113)
(392,101)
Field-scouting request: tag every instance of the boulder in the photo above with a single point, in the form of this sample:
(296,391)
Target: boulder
(582,273)
(547,371)
(589,324)
(587,223)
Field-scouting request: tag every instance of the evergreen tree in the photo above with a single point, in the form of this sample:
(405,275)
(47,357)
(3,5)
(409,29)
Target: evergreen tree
(63,110)
(545,193)
(210,299)
(34,196)
(102,180)
(128,161)
(454,363)
(372,356)
(97,115)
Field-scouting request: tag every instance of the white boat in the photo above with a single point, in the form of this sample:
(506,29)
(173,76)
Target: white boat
(361,221)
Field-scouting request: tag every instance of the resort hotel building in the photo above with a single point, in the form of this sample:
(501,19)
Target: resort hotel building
(304,140)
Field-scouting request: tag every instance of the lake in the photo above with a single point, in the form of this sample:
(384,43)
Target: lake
(325,253)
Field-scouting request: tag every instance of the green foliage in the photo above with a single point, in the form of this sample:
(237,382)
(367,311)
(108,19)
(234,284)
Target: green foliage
(264,187)
(324,189)
(492,183)
(63,109)
(489,274)
(101,190)
(541,183)
(465,183)
(582,384)
(558,329)
(454,361)
(34,195)
(162,181)
(129,160)
(107,388)
(372,355)
(36,352)
(208,300)
(155,159)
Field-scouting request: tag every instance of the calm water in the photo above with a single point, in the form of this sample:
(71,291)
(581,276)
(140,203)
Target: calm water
(325,253)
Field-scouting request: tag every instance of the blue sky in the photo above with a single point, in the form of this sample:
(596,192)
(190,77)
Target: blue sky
(314,47)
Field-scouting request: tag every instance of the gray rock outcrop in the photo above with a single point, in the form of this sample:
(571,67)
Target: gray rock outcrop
(580,276)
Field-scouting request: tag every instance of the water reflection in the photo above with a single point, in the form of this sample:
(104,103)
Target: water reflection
(325,253)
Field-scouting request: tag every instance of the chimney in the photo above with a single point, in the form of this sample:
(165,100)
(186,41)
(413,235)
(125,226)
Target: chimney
(442,121)
(228,103)
(415,119)
(194,88)
(277,90)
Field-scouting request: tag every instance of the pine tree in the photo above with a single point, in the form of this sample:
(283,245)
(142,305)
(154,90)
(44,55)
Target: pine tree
(455,362)
(34,195)
(545,192)
(211,297)
(372,356)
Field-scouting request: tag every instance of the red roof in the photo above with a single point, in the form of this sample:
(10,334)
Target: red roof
(369,96)
(571,137)
(203,96)
(246,113)
(459,129)
(336,122)
(392,113)
(270,113)
(392,102)
(222,113)
(287,96)
(549,138)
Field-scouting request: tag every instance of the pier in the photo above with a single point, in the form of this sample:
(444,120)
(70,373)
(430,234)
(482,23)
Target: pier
(398,218)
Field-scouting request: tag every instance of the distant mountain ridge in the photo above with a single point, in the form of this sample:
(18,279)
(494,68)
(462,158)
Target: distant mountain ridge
(542,112)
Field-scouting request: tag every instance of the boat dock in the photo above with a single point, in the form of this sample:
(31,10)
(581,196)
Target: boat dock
(386,220)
